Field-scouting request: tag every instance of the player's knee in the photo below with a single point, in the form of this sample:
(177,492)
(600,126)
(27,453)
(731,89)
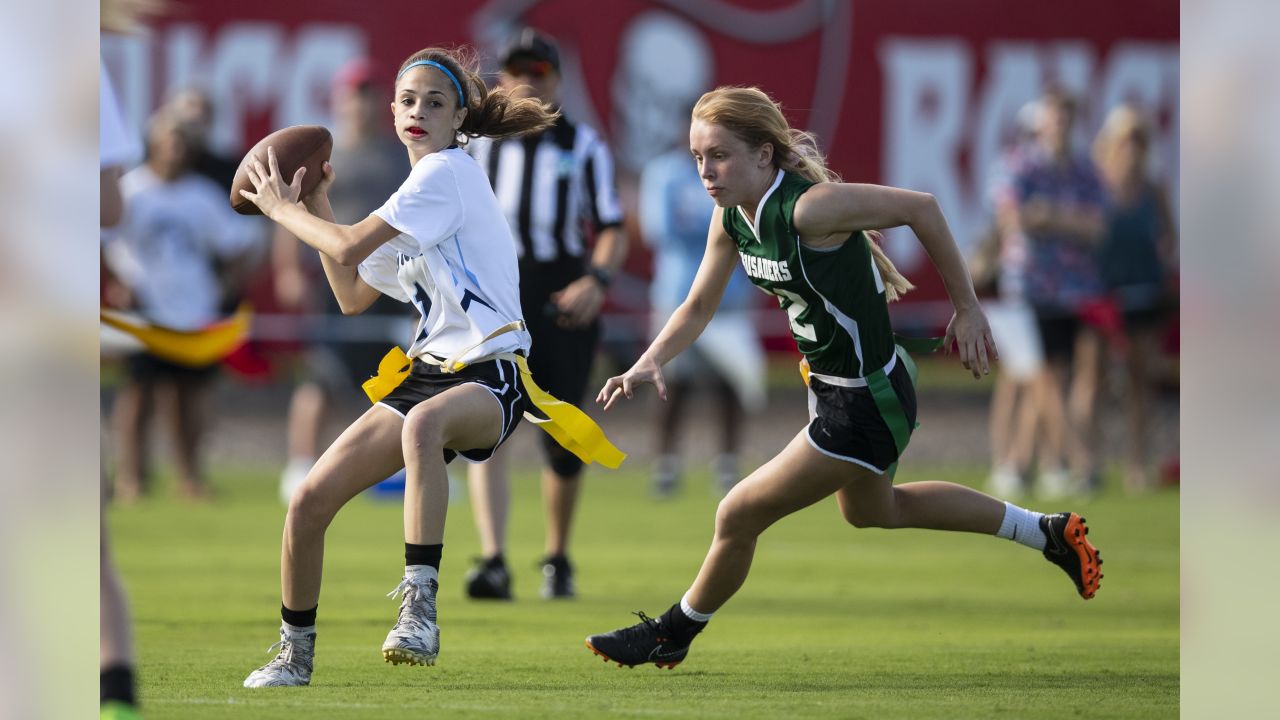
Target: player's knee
(310,510)
(864,517)
(423,429)
(861,519)
(735,520)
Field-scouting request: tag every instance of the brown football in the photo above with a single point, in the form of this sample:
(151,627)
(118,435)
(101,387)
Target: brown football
(298,146)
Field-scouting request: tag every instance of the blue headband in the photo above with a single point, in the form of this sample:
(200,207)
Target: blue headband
(462,97)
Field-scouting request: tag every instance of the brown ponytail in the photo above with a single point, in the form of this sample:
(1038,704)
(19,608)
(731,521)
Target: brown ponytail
(493,113)
(756,119)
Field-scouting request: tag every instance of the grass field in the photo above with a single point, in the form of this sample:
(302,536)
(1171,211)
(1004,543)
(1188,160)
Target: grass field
(833,622)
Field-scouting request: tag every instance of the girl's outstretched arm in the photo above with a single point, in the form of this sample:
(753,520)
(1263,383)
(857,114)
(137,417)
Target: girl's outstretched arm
(686,323)
(841,208)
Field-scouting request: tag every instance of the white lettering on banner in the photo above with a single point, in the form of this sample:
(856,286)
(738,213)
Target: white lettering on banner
(925,93)
(249,68)
(934,114)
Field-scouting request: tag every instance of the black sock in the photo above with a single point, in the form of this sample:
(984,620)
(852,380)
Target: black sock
(559,562)
(681,626)
(298,618)
(117,685)
(423,555)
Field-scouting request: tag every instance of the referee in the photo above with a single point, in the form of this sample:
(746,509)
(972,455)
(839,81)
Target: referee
(556,189)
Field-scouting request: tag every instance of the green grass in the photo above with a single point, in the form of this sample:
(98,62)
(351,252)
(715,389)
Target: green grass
(833,622)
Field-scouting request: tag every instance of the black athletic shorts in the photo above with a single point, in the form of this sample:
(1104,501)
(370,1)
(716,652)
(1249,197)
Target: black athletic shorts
(844,422)
(500,377)
(1058,333)
(145,367)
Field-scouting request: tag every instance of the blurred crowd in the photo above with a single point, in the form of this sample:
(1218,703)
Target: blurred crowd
(1079,268)
(1080,264)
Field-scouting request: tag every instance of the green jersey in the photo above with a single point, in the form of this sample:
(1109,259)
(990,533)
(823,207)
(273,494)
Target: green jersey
(834,297)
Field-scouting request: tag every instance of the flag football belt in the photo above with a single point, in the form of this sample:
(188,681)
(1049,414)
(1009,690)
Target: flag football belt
(566,424)
(190,348)
(882,393)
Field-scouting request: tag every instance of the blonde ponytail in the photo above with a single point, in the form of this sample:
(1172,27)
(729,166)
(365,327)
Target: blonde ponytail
(756,119)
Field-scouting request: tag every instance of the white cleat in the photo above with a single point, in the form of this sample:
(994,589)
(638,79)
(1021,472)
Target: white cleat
(291,667)
(415,639)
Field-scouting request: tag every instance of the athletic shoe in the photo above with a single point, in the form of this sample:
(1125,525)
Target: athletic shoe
(1056,484)
(665,480)
(725,471)
(291,479)
(645,642)
(415,639)
(1067,547)
(489,580)
(1005,482)
(290,667)
(557,579)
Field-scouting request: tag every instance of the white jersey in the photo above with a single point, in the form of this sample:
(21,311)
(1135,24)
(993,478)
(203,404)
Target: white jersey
(454,259)
(167,246)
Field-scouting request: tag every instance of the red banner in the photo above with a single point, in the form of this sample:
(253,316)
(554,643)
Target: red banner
(916,93)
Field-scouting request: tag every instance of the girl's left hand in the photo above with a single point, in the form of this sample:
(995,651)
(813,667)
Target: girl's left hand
(972,335)
(272,191)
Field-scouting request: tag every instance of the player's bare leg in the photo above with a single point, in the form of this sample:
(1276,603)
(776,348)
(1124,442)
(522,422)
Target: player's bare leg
(362,456)
(465,417)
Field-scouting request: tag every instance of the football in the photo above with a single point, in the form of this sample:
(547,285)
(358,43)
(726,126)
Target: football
(298,146)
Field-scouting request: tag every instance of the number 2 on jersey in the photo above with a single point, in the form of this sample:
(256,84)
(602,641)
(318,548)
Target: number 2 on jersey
(794,311)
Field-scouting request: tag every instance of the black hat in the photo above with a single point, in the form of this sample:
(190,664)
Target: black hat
(533,45)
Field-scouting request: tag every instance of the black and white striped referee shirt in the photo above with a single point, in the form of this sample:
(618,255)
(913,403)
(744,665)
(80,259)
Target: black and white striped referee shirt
(552,187)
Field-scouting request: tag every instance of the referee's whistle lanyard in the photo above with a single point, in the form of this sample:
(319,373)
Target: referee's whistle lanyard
(882,392)
(569,426)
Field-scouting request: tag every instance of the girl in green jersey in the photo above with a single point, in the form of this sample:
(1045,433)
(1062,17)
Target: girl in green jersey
(804,236)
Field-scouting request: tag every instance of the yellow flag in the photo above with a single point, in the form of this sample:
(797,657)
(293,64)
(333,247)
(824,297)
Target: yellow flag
(393,368)
(572,428)
(194,348)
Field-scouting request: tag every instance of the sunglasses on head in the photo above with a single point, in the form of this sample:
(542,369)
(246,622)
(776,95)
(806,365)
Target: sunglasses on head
(536,69)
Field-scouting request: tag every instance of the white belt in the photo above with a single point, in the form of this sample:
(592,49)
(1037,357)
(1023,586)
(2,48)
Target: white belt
(853,382)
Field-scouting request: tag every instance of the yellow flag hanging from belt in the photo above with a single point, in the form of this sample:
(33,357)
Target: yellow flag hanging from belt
(572,428)
(566,424)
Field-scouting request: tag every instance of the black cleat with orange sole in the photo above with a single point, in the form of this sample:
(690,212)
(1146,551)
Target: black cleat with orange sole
(645,642)
(1067,546)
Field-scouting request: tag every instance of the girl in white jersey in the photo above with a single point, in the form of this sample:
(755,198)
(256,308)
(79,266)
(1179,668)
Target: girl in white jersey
(801,235)
(441,243)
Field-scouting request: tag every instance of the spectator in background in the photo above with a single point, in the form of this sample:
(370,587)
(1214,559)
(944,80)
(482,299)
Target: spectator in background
(194,109)
(727,358)
(1059,210)
(179,254)
(1136,258)
(373,164)
(1014,408)
(556,189)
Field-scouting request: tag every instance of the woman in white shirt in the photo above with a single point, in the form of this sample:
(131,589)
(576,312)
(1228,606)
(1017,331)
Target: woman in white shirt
(441,243)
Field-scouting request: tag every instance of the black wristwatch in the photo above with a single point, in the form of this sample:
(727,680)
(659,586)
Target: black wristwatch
(601,275)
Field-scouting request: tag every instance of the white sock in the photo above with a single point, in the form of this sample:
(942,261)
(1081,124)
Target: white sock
(692,614)
(1022,525)
(421,573)
(295,631)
